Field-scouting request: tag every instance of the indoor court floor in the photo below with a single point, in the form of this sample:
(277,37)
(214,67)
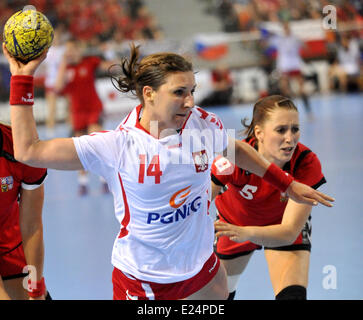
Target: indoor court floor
(79,231)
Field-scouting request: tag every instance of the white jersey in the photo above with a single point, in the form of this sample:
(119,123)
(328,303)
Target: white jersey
(288,53)
(349,58)
(52,63)
(161,190)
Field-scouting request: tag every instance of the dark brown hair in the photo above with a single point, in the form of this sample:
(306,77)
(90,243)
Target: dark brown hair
(263,108)
(151,71)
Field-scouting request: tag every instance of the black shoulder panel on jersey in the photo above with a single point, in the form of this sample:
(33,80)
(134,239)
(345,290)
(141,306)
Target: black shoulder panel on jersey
(7,156)
(3,153)
(241,170)
(287,166)
(39,181)
(1,141)
(301,156)
(216,181)
(317,185)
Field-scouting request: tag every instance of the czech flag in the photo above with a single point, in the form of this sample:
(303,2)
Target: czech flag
(211,46)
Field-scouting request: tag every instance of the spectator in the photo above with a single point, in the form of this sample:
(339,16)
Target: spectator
(289,64)
(222,87)
(51,64)
(76,79)
(346,67)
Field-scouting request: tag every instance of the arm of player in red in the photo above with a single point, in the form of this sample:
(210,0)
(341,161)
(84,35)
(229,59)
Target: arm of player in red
(246,157)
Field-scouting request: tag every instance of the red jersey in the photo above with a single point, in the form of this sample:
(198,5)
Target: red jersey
(248,200)
(13,176)
(81,87)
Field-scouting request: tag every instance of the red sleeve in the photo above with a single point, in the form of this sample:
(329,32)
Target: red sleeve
(309,171)
(22,172)
(33,176)
(94,62)
(222,171)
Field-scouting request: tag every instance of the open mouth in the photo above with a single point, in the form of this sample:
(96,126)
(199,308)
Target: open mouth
(287,149)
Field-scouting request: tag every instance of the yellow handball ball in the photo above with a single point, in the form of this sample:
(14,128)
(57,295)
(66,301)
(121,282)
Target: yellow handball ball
(27,34)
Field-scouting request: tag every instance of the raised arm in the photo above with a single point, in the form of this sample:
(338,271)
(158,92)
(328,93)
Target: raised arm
(56,153)
(246,157)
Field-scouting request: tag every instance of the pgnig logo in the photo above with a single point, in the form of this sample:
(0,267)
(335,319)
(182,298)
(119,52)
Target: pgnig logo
(179,202)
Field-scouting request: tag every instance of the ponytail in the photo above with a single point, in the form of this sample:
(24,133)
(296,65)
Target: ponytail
(126,82)
(151,71)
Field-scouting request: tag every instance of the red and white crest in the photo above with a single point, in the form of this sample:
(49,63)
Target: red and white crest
(200,161)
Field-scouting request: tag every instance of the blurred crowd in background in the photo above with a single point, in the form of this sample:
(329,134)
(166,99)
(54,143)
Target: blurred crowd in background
(106,28)
(98,25)
(93,21)
(246,15)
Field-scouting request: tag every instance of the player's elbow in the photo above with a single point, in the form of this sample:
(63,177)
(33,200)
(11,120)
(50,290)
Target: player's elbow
(27,156)
(22,156)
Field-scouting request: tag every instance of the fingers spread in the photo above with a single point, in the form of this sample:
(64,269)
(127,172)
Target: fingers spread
(314,199)
(324,202)
(222,226)
(325,196)
(322,198)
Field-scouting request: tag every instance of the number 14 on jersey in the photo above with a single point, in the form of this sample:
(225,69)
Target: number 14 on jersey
(152,170)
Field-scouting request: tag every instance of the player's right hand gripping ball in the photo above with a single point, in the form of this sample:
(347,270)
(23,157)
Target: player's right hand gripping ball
(27,34)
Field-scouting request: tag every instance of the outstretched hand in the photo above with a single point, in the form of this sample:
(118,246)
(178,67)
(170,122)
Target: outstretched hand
(302,193)
(24,69)
(233,232)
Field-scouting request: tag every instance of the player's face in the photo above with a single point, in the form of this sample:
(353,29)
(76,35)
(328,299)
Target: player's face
(73,53)
(173,101)
(279,135)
